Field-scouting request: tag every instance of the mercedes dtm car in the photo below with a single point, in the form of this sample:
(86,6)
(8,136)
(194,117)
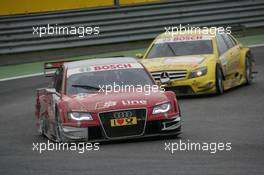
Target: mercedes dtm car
(194,63)
(76,107)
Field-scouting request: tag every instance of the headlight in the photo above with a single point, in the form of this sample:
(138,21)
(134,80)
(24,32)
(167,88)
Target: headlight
(198,72)
(80,116)
(161,108)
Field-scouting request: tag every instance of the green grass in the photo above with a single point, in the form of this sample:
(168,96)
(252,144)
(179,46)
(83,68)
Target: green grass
(30,68)
(251,40)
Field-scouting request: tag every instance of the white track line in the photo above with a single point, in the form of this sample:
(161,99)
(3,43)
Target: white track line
(38,74)
(256,45)
(22,76)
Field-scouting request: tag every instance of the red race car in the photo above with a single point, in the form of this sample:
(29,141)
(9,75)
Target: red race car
(104,99)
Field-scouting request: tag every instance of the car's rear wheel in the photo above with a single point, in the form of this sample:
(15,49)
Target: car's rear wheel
(58,128)
(248,71)
(219,81)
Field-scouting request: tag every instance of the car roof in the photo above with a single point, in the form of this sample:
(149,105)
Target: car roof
(100,61)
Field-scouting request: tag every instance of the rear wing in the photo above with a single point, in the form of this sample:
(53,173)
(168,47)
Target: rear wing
(51,67)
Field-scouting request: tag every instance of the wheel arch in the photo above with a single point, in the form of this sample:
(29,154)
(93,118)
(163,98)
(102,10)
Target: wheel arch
(220,66)
(245,53)
(59,109)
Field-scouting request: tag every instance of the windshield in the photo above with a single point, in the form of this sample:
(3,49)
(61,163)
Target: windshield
(171,49)
(92,81)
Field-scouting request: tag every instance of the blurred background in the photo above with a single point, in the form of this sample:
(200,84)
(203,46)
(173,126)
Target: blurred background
(126,26)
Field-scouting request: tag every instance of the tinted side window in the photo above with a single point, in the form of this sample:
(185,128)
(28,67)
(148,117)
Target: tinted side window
(228,41)
(221,45)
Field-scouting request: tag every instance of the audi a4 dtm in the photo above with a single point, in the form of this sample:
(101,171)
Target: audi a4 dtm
(75,107)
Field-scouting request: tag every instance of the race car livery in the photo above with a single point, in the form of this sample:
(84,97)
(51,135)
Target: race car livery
(76,107)
(197,63)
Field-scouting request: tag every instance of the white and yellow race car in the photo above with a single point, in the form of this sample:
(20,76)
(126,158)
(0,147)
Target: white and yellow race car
(194,63)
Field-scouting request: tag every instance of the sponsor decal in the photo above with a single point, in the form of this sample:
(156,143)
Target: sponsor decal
(123,118)
(133,102)
(171,67)
(104,105)
(83,95)
(103,68)
(123,121)
(84,69)
(181,38)
(112,67)
(185,60)
(116,66)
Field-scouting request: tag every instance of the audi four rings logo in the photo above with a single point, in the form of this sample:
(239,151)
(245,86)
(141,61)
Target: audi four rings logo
(164,75)
(123,114)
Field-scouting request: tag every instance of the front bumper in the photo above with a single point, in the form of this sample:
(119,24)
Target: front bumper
(199,85)
(96,133)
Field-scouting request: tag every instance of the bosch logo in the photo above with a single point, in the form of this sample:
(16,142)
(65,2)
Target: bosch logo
(112,67)
(123,114)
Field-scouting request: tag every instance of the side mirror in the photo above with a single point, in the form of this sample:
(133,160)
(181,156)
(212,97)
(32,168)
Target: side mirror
(240,46)
(139,55)
(52,91)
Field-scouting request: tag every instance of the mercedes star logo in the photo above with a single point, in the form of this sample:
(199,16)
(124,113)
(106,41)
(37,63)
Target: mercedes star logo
(164,75)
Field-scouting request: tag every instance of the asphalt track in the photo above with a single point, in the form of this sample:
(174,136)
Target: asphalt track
(236,117)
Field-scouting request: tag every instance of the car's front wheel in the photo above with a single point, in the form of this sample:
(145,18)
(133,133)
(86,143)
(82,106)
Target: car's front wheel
(219,81)
(58,128)
(248,71)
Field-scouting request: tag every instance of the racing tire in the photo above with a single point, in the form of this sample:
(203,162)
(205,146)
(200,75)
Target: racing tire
(219,81)
(58,128)
(248,71)
(41,129)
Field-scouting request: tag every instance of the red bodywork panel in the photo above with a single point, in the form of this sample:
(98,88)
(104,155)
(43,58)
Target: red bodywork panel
(92,101)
